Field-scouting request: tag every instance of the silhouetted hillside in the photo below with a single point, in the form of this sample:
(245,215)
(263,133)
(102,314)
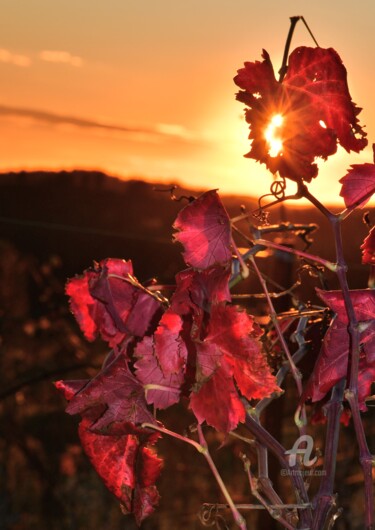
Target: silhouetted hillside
(83,216)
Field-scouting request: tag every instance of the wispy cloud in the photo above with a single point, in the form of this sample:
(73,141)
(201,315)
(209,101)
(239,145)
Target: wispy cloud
(16,59)
(175,130)
(161,130)
(50,56)
(58,56)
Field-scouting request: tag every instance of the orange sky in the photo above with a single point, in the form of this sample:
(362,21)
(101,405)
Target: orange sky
(145,88)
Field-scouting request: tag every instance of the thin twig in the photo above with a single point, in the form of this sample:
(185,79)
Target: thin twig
(301,506)
(240,521)
(202,448)
(273,316)
(328,264)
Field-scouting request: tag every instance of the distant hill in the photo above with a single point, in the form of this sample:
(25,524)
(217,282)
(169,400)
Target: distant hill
(84,216)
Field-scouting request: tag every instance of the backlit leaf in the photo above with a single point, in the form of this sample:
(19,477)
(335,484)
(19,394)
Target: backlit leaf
(368,248)
(162,362)
(108,300)
(332,363)
(358,185)
(230,352)
(217,402)
(303,117)
(204,231)
(127,467)
(119,394)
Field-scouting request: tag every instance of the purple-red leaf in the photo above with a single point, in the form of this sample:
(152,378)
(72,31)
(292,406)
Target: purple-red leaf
(368,248)
(83,305)
(230,352)
(128,468)
(332,363)
(358,185)
(116,393)
(204,231)
(304,117)
(170,350)
(70,388)
(217,402)
(110,301)
(162,362)
(197,291)
(233,335)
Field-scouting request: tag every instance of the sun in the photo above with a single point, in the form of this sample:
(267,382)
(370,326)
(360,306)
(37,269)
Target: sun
(271,135)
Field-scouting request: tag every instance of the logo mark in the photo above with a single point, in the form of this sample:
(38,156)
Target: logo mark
(307,448)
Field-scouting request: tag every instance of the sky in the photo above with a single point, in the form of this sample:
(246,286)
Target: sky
(145,89)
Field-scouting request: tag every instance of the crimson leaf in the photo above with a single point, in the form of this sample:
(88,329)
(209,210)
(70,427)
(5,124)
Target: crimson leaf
(217,402)
(116,393)
(108,300)
(293,122)
(197,291)
(358,185)
(332,363)
(204,231)
(232,352)
(70,388)
(368,248)
(162,362)
(127,467)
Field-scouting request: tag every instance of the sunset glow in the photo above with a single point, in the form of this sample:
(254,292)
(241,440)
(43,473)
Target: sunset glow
(149,93)
(272,135)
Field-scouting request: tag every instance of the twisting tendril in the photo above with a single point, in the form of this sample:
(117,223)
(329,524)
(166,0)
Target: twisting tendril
(209,516)
(277,191)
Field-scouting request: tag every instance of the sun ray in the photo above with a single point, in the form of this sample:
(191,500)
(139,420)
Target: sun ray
(271,135)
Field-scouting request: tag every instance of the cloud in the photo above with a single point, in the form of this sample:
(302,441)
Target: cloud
(16,59)
(56,56)
(175,130)
(161,130)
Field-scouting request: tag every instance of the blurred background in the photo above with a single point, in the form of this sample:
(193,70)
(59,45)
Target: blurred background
(53,225)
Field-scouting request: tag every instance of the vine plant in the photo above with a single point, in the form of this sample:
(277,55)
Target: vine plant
(189,342)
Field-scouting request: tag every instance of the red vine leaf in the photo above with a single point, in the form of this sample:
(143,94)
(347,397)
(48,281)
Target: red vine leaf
(70,388)
(368,248)
(200,289)
(127,467)
(358,185)
(233,335)
(116,394)
(204,231)
(332,363)
(197,291)
(162,362)
(318,416)
(108,300)
(232,352)
(217,402)
(170,350)
(304,117)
